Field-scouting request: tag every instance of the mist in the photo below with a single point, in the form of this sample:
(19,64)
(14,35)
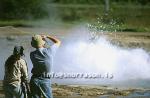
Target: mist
(80,55)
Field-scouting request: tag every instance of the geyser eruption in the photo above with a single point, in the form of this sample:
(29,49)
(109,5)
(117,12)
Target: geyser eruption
(81,56)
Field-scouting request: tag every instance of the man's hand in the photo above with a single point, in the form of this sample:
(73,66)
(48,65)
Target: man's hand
(55,40)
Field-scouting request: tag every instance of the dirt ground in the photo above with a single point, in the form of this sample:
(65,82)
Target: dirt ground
(93,91)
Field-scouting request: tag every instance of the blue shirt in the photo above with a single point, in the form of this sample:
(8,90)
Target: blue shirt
(42,60)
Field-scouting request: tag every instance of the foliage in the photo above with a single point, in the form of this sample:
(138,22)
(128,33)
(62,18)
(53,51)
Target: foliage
(22,9)
(33,9)
(128,14)
(142,2)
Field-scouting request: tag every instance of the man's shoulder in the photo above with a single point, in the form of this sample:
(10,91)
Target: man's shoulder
(22,61)
(46,49)
(32,52)
(40,51)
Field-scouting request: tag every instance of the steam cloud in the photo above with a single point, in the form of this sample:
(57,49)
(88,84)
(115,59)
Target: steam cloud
(100,56)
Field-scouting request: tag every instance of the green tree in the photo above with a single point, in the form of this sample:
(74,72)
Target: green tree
(23,9)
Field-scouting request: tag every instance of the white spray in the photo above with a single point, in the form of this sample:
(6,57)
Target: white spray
(100,56)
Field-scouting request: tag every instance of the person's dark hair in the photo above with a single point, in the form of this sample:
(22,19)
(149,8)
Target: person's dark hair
(18,50)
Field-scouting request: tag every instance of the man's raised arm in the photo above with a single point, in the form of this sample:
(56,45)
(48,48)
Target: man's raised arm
(53,39)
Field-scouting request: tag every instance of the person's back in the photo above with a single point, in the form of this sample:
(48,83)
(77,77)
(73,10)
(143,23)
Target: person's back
(42,59)
(15,73)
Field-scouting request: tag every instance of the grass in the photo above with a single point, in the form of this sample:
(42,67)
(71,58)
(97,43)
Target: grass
(128,18)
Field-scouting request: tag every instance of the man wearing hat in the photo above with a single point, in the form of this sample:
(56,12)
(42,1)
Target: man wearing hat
(15,74)
(42,59)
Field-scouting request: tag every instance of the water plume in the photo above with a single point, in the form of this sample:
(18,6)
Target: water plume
(80,55)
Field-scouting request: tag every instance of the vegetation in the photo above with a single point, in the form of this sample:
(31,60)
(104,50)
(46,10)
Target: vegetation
(128,15)
(126,18)
(140,2)
(22,9)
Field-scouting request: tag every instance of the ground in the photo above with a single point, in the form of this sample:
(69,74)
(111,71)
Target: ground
(93,91)
(9,35)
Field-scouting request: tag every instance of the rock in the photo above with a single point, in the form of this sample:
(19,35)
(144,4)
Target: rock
(11,38)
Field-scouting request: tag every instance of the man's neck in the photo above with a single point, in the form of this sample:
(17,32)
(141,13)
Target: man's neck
(40,48)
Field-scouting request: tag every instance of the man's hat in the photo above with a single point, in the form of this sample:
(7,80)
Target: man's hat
(18,50)
(37,41)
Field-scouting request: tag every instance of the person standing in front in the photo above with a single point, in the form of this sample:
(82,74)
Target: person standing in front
(42,60)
